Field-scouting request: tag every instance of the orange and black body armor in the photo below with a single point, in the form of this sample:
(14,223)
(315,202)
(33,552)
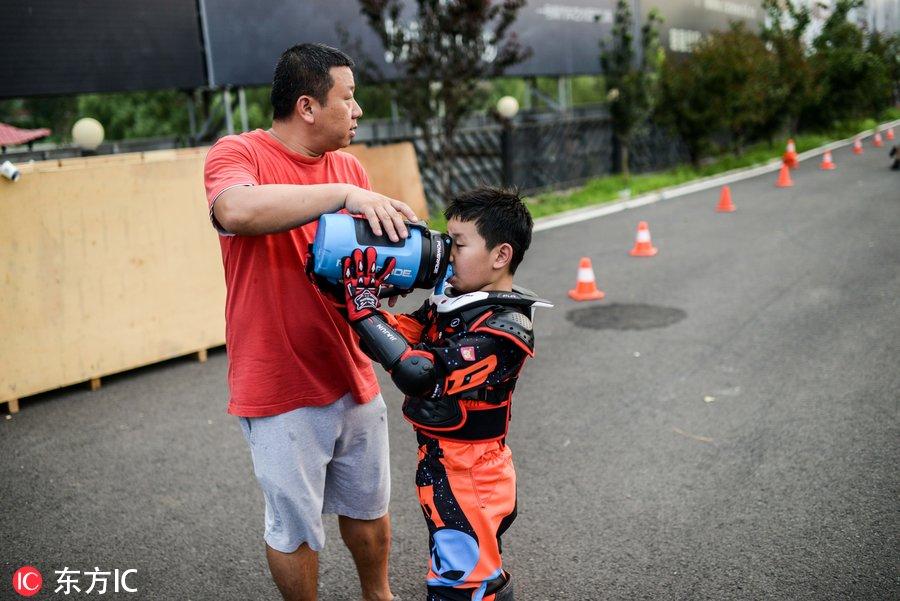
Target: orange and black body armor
(457,359)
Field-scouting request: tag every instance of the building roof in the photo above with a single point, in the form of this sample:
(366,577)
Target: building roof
(13,136)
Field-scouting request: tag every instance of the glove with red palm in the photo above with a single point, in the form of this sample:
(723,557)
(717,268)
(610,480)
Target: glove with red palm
(362,283)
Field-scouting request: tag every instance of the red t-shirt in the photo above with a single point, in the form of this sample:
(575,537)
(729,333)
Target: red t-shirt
(287,345)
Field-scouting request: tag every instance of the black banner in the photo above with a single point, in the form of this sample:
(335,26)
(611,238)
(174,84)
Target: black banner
(66,46)
(244,39)
(73,46)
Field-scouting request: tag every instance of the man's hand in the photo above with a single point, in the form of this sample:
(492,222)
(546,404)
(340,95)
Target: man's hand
(392,300)
(361,283)
(385,215)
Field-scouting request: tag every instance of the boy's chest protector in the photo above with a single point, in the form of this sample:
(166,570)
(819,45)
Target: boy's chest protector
(478,414)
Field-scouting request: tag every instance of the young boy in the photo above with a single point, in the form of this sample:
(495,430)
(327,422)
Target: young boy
(457,359)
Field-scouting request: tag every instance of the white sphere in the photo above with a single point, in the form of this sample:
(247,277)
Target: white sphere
(87,133)
(507,107)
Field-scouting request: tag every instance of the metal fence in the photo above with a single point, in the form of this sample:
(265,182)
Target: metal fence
(478,162)
(560,153)
(547,151)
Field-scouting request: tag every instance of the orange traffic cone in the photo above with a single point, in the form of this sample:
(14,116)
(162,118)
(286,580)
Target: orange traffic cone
(827,164)
(877,142)
(790,155)
(586,286)
(857,147)
(643,247)
(725,204)
(890,133)
(784,178)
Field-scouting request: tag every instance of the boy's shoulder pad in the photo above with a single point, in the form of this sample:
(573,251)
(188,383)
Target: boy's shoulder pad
(510,323)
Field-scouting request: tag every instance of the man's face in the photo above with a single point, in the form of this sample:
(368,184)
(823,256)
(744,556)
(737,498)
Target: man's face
(471,259)
(336,121)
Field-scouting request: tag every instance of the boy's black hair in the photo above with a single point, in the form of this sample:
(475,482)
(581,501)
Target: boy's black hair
(499,215)
(303,70)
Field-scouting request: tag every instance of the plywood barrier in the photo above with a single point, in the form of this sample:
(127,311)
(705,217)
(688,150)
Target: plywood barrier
(394,171)
(106,264)
(109,263)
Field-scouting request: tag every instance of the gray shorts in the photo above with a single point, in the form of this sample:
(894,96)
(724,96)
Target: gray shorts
(315,460)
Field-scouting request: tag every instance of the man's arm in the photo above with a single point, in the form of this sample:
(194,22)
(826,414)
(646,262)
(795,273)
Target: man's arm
(271,208)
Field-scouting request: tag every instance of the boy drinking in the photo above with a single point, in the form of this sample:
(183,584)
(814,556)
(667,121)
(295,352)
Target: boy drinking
(457,359)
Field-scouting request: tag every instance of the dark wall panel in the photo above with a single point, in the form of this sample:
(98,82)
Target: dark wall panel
(564,36)
(72,46)
(244,39)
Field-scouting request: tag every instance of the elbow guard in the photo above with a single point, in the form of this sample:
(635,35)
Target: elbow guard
(414,374)
(411,370)
(383,343)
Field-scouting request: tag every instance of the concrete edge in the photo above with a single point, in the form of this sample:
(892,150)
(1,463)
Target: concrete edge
(721,179)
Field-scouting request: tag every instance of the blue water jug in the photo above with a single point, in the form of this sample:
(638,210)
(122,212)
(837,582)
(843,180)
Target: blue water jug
(422,258)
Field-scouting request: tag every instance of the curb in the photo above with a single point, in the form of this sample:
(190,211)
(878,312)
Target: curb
(721,179)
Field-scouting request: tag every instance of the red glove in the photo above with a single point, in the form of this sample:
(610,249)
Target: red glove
(362,284)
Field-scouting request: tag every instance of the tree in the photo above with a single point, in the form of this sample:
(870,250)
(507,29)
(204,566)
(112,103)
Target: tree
(123,115)
(743,83)
(783,32)
(729,82)
(856,83)
(57,113)
(633,86)
(684,105)
(887,48)
(440,59)
(138,114)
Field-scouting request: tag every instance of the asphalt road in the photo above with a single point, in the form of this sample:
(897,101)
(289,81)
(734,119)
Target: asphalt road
(723,426)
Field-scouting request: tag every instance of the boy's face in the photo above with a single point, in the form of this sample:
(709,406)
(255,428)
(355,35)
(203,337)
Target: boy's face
(475,266)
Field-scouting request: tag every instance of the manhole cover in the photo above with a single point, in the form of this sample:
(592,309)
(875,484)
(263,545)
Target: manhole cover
(625,317)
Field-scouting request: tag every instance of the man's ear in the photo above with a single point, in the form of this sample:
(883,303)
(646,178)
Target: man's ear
(304,108)
(504,256)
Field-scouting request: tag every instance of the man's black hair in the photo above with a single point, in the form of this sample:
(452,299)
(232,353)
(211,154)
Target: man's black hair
(499,215)
(303,70)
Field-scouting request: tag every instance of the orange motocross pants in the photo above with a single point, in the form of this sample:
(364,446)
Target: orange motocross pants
(468,495)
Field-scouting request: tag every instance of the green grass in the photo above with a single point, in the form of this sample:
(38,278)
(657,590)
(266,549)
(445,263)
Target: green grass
(437,222)
(613,187)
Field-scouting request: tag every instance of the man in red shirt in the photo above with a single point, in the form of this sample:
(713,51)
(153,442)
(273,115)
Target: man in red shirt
(306,396)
